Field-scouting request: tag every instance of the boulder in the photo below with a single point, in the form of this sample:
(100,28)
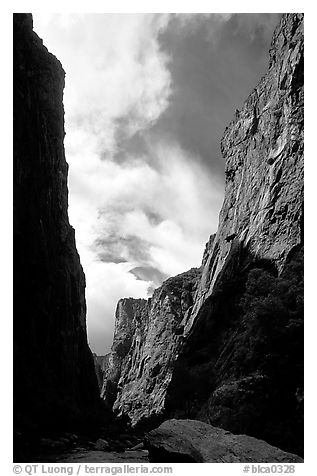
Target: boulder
(192,441)
(101,445)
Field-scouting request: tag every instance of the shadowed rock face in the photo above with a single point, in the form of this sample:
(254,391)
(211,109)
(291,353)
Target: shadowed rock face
(101,365)
(236,358)
(192,441)
(54,379)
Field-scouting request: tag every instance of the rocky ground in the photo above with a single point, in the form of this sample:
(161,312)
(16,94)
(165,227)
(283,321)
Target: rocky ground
(72,448)
(174,441)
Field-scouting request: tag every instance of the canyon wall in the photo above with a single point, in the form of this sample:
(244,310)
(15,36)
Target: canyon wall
(241,365)
(263,150)
(232,354)
(101,365)
(147,337)
(54,380)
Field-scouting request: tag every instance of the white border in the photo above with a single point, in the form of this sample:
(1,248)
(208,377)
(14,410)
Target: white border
(7,8)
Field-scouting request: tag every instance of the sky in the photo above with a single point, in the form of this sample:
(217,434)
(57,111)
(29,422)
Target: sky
(147,98)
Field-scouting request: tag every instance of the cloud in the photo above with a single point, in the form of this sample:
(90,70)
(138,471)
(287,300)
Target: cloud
(159,216)
(137,216)
(150,274)
(117,77)
(106,284)
(217,61)
(114,248)
(151,224)
(212,25)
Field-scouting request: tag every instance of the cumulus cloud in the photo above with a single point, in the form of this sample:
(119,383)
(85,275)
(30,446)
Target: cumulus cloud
(106,284)
(148,273)
(157,216)
(142,224)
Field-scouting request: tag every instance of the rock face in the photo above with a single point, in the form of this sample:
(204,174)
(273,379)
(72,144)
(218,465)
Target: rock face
(54,379)
(235,360)
(241,365)
(146,341)
(101,365)
(191,441)
(263,149)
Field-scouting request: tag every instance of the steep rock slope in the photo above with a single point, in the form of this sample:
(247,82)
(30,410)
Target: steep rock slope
(101,365)
(54,379)
(237,355)
(146,341)
(263,149)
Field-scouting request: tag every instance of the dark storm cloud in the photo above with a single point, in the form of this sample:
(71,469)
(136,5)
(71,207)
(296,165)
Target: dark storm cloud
(148,273)
(118,249)
(110,256)
(215,66)
(153,217)
(135,145)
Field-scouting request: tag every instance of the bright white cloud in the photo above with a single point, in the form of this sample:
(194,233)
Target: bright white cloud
(181,192)
(106,284)
(114,69)
(182,196)
(159,215)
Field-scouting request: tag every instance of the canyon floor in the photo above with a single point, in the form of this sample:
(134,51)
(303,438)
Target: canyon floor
(77,448)
(82,455)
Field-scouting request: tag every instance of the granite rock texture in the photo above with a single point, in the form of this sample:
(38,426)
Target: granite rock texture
(192,441)
(235,358)
(101,365)
(146,341)
(54,379)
